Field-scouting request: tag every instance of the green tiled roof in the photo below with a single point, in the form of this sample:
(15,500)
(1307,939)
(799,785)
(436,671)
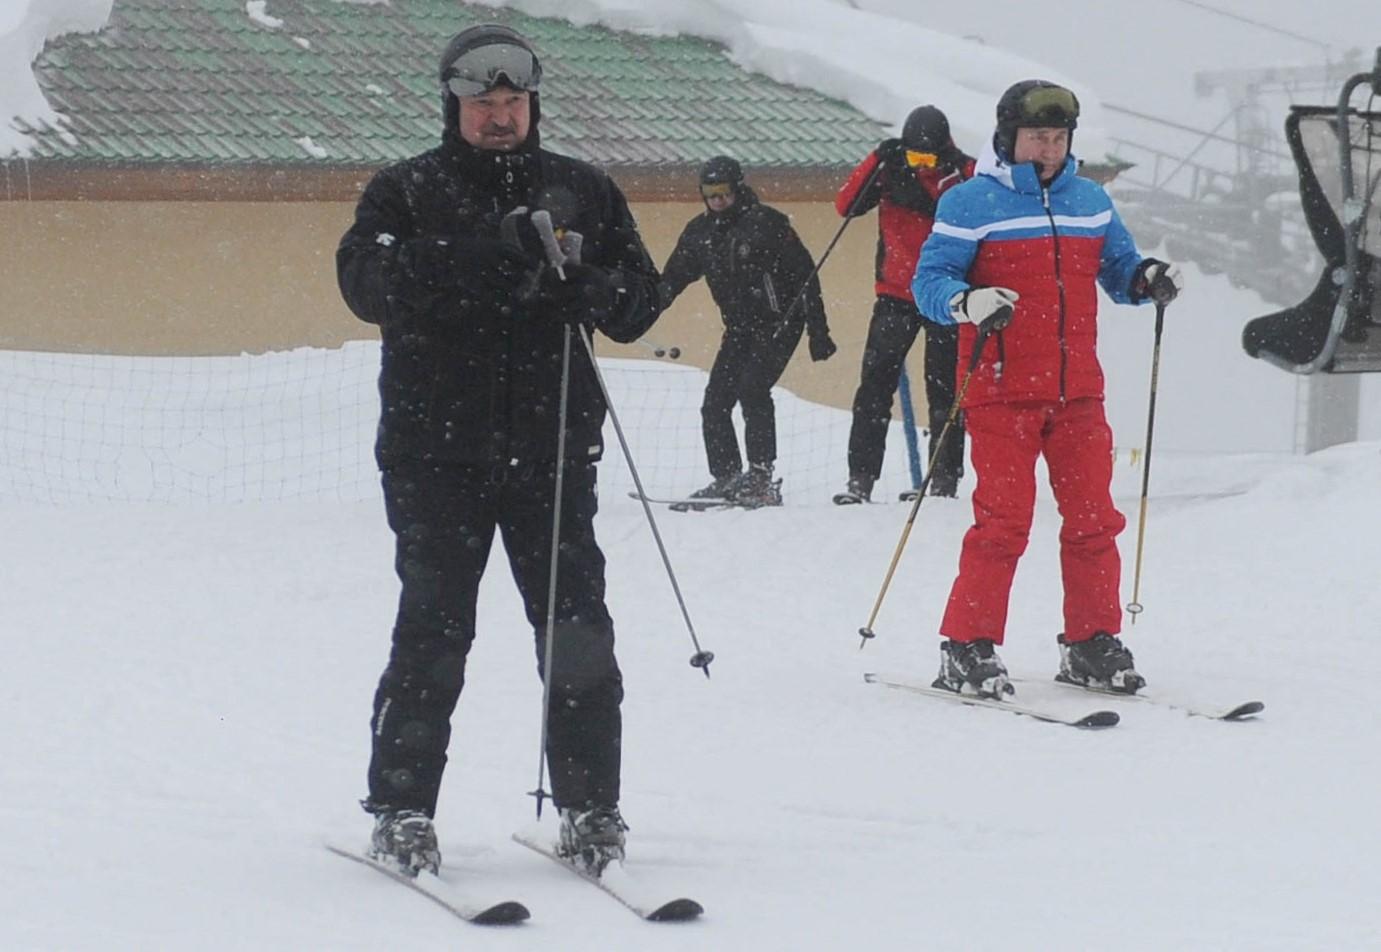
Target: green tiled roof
(199,81)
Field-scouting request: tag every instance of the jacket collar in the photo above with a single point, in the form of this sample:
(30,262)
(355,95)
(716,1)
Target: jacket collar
(1022,178)
(507,174)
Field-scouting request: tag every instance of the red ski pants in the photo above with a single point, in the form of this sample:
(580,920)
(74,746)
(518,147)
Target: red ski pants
(1077,444)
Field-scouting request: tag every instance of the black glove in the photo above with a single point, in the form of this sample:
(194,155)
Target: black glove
(821,346)
(439,264)
(891,152)
(586,295)
(1157,280)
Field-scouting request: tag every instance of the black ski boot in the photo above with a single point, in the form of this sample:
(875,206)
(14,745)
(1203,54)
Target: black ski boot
(972,667)
(945,485)
(592,839)
(719,488)
(717,493)
(1102,661)
(405,840)
(858,491)
(756,488)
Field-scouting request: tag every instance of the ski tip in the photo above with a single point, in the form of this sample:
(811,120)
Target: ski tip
(1244,710)
(503,914)
(678,910)
(1099,719)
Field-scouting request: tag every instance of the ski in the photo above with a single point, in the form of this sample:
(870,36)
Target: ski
(446,892)
(688,504)
(617,883)
(1092,720)
(1234,712)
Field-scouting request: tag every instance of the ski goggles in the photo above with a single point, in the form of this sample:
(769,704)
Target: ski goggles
(1048,107)
(481,69)
(921,160)
(717,190)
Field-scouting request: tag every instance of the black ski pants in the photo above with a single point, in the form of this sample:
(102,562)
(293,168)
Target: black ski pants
(891,333)
(744,373)
(444,516)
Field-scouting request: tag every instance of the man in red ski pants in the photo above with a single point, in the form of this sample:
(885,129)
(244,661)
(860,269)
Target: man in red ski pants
(1027,234)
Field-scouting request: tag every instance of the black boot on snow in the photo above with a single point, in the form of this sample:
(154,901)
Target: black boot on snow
(719,488)
(592,839)
(859,490)
(1102,661)
(756,488)
(945,485)
(406,840)
(972,667)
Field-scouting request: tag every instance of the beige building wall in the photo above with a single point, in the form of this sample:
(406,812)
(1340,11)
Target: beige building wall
(201,278)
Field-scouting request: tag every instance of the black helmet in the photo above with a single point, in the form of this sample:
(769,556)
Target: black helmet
(926,130)
(482,58)
(721,170)
(1034,104)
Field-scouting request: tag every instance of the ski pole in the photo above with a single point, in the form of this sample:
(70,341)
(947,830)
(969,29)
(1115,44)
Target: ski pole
(1134,607)
(848,217)
(701,658)
(996,322)
(540,793)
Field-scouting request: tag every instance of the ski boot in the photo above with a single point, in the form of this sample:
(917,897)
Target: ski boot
(592,839)
(945,485)
(859,490)
(1100,662)
(756,488)
(404,840)
(717,493)
(972,667)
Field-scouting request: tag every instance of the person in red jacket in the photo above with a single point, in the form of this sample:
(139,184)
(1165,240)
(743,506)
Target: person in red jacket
(903,178)
(1026,242)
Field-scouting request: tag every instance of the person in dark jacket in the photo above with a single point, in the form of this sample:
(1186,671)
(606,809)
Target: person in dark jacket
(474,333)
(756,267)
(904,179)
(1025,244)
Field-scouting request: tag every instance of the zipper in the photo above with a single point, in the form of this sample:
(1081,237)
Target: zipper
(1060,286)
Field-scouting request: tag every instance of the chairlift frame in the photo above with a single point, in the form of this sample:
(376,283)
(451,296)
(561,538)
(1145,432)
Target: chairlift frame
(1345,279)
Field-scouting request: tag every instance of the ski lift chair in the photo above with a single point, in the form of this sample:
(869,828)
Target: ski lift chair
(1337,328)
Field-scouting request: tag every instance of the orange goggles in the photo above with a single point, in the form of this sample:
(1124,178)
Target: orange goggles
(717,190)
(921,160)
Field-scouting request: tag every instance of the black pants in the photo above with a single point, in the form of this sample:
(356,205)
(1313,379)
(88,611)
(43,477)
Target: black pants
(891,333)
(744,372)
(444,517)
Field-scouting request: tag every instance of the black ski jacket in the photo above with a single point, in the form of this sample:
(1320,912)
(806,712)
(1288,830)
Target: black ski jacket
(467,375)
(755,265)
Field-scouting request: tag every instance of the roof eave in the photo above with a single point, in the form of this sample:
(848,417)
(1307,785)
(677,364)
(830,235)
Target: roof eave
(66,180)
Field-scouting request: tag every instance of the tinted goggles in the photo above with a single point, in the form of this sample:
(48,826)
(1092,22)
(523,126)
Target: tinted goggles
(717,190)
(1049,106)
(481,69)
(921,160)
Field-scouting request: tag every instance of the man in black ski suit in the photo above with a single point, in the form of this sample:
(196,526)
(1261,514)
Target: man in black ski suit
(473,332)
(756,267)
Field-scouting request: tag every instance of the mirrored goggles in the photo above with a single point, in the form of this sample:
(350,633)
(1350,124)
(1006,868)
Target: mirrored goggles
(1049,106)
(921,160)
(717,190)
(483,68)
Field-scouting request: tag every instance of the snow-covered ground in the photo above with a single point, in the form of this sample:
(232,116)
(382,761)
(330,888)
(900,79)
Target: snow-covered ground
(187,690)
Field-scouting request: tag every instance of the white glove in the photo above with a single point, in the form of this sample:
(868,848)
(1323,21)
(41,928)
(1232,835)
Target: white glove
(976,305)
(1161,281)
